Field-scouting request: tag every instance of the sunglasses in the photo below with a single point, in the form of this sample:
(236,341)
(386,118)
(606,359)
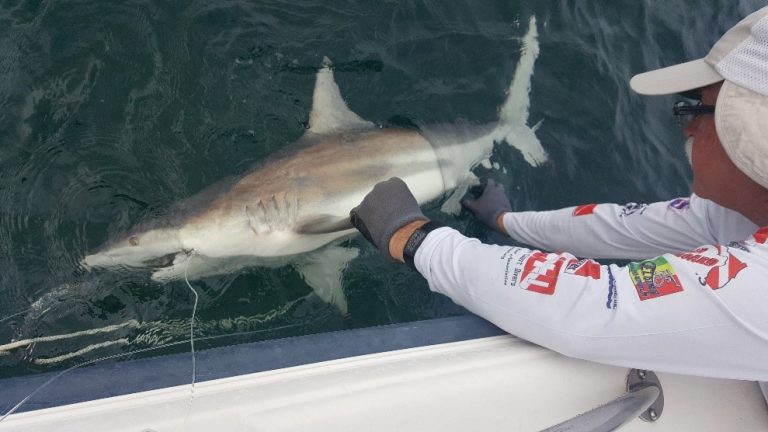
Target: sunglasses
(685,112)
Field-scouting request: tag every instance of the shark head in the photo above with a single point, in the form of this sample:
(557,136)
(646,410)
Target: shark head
(154,248)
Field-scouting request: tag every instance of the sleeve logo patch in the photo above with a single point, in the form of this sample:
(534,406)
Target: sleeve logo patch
(654,278)
(584,210)
(631,208)
(583,268)
(613,296)
(761,235)
(540,273)
(722,265)
(680,203)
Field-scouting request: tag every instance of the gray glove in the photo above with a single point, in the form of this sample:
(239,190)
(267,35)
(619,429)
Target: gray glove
(492,203)
(387,208)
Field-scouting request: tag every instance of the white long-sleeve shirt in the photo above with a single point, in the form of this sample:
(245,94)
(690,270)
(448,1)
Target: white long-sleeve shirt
(701,308)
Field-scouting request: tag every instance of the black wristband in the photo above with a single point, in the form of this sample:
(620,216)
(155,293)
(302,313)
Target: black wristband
(416,239)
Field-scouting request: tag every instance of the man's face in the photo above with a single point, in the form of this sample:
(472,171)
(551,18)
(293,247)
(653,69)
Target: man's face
(713,171)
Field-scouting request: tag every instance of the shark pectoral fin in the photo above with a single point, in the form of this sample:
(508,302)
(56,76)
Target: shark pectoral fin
(322,271)
(323,224)
(329,111)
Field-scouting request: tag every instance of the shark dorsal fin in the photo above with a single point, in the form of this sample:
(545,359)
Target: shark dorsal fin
(329,111)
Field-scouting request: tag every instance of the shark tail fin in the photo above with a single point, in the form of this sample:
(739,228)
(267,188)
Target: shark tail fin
(513,114)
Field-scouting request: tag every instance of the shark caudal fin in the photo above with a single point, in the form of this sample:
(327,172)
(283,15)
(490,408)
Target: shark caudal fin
(513,114)
(511,128)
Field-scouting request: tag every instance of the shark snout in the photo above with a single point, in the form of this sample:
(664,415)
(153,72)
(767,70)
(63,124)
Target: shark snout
(153,249)
(91,261)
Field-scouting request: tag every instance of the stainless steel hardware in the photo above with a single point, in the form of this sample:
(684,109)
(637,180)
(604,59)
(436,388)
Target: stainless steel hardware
(644,398)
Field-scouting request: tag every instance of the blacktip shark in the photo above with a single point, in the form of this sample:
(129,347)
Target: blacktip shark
(298,200)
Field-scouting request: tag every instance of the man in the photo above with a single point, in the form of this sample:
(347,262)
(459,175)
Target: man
(696,302)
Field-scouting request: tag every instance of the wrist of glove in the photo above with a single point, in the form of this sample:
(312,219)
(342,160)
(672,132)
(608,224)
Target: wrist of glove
(491,204)
(387,208)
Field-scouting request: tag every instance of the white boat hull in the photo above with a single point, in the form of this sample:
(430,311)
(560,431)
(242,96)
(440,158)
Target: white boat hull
(495,383)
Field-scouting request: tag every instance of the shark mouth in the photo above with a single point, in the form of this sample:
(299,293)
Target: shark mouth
(162,261)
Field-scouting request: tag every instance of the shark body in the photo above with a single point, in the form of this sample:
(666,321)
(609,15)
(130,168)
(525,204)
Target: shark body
(298,199)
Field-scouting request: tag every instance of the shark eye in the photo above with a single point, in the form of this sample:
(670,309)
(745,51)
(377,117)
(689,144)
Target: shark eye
(134,241)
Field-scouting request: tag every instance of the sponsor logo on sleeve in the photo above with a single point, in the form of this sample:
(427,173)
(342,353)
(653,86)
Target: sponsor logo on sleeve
(513,266)
(583,268)
(721,266)
(740,245)
(719,276)
(761,235)
(680,203)
(584,210)
(631,208)
(540,272)
(654,278)
(613,295)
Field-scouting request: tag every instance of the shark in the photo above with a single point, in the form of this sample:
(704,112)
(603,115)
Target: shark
(292,207)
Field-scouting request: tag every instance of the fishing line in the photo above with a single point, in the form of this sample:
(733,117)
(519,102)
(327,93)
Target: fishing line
(55,377)
(191,337)
(14,315)
(110,328)
(139,351)
(143,350)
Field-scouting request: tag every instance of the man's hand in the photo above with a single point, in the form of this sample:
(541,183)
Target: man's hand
(387,208)
(491,205)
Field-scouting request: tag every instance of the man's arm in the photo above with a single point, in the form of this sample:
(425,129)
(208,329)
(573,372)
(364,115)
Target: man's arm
(632,231)
(699,313)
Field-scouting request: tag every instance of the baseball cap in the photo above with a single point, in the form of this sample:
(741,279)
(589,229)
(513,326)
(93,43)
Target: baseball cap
(740,58)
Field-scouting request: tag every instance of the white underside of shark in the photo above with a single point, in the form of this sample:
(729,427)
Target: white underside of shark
(298,200)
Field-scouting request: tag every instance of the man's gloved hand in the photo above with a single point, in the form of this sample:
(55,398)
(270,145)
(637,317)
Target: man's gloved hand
(387,208)
(491,204)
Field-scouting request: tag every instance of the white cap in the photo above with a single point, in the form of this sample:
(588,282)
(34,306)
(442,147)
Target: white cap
(740,58)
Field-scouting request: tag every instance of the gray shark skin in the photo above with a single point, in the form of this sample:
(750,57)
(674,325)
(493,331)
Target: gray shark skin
(298,199)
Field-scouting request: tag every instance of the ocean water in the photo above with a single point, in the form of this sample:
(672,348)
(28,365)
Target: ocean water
(111,111)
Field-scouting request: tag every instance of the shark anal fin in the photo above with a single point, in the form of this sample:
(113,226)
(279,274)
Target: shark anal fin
(329,111)
(323,224)
(322,270)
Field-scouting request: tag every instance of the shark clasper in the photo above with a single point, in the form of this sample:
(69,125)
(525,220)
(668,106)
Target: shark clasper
(290,208)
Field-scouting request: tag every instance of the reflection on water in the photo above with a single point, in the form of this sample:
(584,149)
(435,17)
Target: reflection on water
(110,112)
(73,305)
